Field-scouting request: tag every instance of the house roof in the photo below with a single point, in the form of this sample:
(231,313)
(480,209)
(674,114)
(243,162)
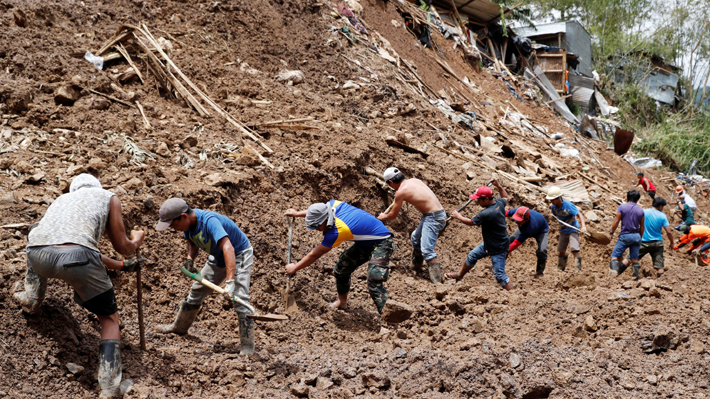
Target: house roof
(480,10)
(545,29)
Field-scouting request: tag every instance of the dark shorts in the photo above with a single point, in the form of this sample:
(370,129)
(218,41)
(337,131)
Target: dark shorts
(101,305)
(651,193)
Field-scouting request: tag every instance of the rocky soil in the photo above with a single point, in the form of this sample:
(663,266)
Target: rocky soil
(565,335)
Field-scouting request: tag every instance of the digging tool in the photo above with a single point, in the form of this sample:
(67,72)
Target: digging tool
(267,317)
(461,208)
(139,300)
(290,299)
(597,238)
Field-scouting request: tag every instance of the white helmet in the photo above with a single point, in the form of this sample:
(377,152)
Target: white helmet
(554,192)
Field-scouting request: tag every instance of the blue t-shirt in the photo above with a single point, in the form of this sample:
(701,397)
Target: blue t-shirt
(653,224)
(210,228)
(353,224)
(536,225)
(566,213)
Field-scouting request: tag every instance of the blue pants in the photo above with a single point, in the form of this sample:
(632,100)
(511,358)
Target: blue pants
(631,241)
(425,236)
(498,262)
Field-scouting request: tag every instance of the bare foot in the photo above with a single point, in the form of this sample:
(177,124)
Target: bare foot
(336,305)
(454,276)
(510,286)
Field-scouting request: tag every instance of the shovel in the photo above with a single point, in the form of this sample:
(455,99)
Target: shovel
(597,238)
(267,317)
(461,208)
(289,298)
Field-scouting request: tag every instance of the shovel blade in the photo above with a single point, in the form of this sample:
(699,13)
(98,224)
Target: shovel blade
(289,298)
(268,317)
(598,238)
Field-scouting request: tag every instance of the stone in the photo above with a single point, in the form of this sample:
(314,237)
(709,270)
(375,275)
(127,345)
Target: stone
(149,202)
(590,324)
(134,183)
(592,216)
(96,164)
(19,100)
(654,292)
(19,17)
(324,383)
(441,291)
(652,379)
(647,284)
(99,103)
(163,150)
(310,379)
(248,157)
(476,325)
(73,170)
(189,141)
(578,280)
(399,353)
(35,178)
(300,390)
(24,167)
(8,198)
(697,346)
(628,284)
(66,95)
(349,372)
(375,379)
(470,174)
(74,368)
(396,312)
(470,344)
(515,360)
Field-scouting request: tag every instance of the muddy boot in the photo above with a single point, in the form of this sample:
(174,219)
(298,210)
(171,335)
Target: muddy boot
(540,269)
(246,334)
(622,267)
(435,272)
(110,369)
(184,319)
(614,268)
(35,287)
(562,262)
(578,263)
(417,260)
(636,268)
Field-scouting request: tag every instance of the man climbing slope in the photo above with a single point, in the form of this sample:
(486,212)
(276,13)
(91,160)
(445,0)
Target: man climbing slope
(433,220)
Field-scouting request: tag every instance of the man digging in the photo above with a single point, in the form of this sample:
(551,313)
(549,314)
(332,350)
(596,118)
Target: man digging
(647,185)
(494,231)
(374,243)
(632,218)
(530,224)
(433,220)
(64,245)
(654,222)
(567,212)
(230,257)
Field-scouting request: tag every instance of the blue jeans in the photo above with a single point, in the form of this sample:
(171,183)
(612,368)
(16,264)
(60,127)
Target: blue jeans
(498,263)
(425,236)
(631,241)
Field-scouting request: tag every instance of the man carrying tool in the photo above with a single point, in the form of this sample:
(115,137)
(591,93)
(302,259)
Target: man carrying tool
(632,218)
(433,220)
(566,212)
(682,195)
(530,224)
(654,222)
(230,257)
(695,234)
(374,243)
(647,185)
(494,231)
(64,245)
(686,215)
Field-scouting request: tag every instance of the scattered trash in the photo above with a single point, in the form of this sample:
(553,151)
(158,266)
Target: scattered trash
(349,84)
(557,136)
(294,77)
(94,59)
(464,119)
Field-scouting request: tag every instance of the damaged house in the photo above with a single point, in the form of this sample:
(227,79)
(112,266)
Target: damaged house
(659,79)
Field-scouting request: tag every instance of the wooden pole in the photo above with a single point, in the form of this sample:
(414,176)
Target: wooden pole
(139,300)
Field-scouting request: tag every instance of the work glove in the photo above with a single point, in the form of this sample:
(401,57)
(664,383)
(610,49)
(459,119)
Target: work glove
(133,265)
(229,290)
(189,265)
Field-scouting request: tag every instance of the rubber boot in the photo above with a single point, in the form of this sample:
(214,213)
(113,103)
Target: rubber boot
(417,260)
(540,268)
(622,267)
(578,263)
(246,334)
(184,319)
(562,262)
(614,268)
(110,369)
(435,272)
(636,269)
(35,287)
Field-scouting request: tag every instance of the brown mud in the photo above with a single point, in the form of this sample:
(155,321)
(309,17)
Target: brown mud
(565,335)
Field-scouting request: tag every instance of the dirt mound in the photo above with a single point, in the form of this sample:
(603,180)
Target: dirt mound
(558,336)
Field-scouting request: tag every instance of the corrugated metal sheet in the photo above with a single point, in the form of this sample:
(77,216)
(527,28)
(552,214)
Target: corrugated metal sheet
(577,40)
(661,87)
(581,81)
(481,10)
(542,29)
(582,96)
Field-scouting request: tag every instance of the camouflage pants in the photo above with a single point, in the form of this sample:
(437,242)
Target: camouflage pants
(378,269)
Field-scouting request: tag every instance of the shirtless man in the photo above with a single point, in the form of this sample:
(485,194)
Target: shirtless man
(433,220)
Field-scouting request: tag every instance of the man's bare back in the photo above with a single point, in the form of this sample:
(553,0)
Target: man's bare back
(418,194)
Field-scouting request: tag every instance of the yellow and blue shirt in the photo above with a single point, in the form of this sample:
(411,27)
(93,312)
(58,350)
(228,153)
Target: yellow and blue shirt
(353,224)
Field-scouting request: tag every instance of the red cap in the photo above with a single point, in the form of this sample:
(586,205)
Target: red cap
(482,192)
(519,215)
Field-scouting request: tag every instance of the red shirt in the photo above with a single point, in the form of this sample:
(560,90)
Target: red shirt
(646,184)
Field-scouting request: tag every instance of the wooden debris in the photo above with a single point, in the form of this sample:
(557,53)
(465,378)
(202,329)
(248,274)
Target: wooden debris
(112,98)
(125,55)
(391,140)
(146,123)
(281,121)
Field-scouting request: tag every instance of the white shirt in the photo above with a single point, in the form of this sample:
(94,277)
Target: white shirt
(689,201)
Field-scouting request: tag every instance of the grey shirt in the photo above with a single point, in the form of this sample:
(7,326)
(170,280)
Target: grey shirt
(75,218)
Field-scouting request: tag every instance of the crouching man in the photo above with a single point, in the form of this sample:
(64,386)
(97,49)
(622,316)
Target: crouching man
(64,245)
(374,243)
(230,258)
